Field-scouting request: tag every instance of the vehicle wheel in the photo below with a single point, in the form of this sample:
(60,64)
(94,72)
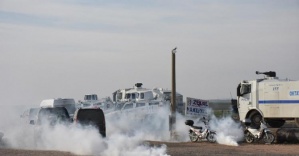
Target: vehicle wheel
(193,137)
(256,119)
(268,138)
(276,123)
(249,138)
(211,137)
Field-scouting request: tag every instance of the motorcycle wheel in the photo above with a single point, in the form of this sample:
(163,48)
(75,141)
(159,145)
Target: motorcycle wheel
(268,138)
(249,138)
(211,137)
(193,137)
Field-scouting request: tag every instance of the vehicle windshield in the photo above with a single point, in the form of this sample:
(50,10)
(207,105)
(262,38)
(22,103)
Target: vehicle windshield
(245,89)
(52,115)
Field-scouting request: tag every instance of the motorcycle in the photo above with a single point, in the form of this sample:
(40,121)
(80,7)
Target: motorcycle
(199,133)
(257,134)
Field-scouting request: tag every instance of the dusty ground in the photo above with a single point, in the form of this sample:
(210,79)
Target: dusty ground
(19,152)
(205,148)
(188,149)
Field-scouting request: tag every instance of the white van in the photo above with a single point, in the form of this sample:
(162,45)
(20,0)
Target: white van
(69,104)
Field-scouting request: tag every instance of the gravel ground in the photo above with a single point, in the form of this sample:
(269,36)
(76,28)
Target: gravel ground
(19,152)
(205,148)
(187,149)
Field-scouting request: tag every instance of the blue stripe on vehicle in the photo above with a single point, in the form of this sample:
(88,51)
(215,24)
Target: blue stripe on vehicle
(279,102)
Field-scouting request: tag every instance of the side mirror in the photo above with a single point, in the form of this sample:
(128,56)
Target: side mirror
(32,122)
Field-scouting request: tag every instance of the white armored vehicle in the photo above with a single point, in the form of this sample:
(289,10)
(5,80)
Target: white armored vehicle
(138,97)
(92,101)
(276,100)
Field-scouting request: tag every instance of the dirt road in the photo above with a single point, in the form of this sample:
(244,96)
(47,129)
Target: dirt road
(19,152)
(188,149)
(205,148)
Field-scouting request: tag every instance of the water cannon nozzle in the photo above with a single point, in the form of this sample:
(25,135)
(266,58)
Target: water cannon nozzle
(269,73)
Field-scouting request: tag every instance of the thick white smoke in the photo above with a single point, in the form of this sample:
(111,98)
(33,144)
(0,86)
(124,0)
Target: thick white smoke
(127,133)
(153,126)
(17,132)
(89,142)
(228,131)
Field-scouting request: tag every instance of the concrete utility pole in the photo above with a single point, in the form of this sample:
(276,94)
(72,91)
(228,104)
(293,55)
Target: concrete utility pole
(173,99)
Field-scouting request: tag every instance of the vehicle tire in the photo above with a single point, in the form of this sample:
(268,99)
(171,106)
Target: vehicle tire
(249,138)
(276,123)
(211,137)
(193,137)
(256,119)
(268,138)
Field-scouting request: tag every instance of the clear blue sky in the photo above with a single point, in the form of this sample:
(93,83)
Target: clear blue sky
(68,48)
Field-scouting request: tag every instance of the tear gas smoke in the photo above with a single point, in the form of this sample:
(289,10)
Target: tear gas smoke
(228,131)
(126,134)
